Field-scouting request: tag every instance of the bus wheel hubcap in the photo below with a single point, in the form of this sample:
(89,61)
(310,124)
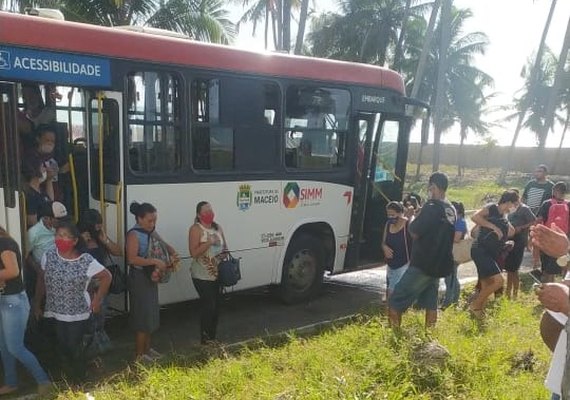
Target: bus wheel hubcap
(301,271)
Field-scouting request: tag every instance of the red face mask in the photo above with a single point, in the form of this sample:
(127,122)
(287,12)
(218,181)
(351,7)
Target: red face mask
(207,218)
(64,245)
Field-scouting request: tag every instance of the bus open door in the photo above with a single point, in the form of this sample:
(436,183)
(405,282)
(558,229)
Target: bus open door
(10,195)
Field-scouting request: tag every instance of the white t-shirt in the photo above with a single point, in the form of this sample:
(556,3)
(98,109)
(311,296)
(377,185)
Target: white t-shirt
(66,283)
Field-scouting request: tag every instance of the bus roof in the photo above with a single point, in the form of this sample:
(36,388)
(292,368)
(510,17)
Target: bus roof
(65,36)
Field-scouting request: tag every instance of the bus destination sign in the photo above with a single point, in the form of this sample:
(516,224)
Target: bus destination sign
(47,66)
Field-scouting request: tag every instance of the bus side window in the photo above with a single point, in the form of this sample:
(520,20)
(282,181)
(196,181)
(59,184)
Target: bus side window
(153,101)
(212,143)
(316,127)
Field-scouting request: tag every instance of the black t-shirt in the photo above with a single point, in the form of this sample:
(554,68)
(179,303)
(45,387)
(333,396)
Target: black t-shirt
(34,200)
(13,286)
(487,238)
(426,228)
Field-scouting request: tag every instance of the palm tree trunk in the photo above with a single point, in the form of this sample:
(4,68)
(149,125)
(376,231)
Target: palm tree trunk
(287,25)
(553,100)
(441,88)
(302,23)
(279,14)
(275,29)
(419,76)
(266,34)
(531,89)
(463,135)
(566,124)
(419,166)
(398,53)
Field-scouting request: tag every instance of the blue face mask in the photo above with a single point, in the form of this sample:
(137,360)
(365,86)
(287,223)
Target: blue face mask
(392,220)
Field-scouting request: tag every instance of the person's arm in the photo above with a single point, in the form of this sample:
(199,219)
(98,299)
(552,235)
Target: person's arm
(40,290)
(510,230)
(11,269)
(104,279)
(196,248)
(134,259)
(111,246)
(480,218)
(555,297)
(524,197)
(49,186)
(388,252)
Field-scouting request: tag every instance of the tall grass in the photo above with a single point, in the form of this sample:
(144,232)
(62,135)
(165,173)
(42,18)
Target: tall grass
(504,359)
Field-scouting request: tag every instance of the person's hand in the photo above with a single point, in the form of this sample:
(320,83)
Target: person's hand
(86,236)
(388,252)
(552,241)
(498,232)
(409,212)
(37,311)
(95,305)
(159,264)
(51,172)
(554,296)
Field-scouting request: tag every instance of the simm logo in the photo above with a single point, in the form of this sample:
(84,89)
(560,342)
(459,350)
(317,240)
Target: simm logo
(294,196)
(291,195)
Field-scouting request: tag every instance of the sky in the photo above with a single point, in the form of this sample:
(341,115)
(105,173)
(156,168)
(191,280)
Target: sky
(514,28)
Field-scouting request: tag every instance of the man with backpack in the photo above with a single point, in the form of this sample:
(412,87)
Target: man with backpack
(554,211)
(432,255)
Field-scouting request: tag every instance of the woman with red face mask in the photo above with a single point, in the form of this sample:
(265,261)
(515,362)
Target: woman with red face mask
(66,273)
(207,248)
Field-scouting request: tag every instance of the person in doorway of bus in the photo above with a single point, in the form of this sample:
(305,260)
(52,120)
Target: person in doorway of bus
(554,211)
(38,190)
(14,311)
(432,257)
(208,247)
(101,247)
(396,244)
(494,230)
(44,150)
(35,112)
(521,219)
(40,239)
(452,285)
(143,291)
(67,271)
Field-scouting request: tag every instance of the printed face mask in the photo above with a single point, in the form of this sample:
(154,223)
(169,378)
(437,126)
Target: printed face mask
(64,245)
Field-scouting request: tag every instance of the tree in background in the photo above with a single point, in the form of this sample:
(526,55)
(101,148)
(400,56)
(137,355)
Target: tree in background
(205,20)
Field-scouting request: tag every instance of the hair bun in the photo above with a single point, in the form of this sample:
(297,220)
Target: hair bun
(134,208)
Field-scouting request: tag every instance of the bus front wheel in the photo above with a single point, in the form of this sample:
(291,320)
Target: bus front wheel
(303,269)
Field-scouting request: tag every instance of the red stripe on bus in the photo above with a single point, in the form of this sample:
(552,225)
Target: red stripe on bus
(46,34)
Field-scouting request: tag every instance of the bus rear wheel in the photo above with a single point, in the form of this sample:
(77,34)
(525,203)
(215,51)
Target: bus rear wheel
(303,270)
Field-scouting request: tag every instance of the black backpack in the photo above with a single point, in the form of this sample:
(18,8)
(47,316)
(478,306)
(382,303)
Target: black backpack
(438,262)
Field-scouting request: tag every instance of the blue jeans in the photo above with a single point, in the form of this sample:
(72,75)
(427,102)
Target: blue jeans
(452,289)
(555,396)
(14,312)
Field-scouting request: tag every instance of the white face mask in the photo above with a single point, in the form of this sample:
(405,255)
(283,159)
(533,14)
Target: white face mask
(46,148)
(43,177)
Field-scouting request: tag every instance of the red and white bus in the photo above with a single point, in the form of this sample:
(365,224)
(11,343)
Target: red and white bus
(298,156)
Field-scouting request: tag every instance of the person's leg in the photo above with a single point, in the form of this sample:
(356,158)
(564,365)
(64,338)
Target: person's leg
(406,292)
(428,298)
(75,332)
(14,321)
(452,289)
(431,318)
(488,286)
(140,343)
(207,294)
(8,360)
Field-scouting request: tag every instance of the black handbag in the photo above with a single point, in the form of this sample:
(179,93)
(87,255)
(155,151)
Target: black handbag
(229,272)
(118,279)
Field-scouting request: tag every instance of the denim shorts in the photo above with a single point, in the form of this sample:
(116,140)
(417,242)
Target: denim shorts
(415,287)
(393,276)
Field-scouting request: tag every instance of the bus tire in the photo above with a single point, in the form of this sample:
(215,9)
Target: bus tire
(303,270)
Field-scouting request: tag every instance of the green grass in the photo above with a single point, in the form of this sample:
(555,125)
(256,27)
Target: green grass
(362,360)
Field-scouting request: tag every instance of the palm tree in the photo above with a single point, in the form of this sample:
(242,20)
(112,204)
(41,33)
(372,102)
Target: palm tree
(205,20)
(532,80)
(365,30)
(302,23)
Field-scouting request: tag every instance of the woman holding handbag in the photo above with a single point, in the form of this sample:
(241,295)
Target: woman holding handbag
(143,287)
(101,247)
(396,244)
(208,247)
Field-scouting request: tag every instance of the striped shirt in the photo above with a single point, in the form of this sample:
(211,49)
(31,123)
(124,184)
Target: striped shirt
(536,193)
